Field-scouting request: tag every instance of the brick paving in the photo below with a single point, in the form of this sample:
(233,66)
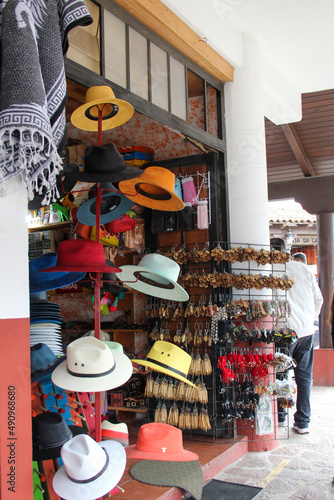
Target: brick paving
(302,466)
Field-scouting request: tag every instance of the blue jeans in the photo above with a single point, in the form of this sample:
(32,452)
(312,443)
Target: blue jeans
(302,352)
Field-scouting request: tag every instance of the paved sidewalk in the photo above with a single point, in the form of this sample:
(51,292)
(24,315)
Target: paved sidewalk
(302,466)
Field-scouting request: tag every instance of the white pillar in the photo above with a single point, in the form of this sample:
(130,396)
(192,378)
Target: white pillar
(246,151)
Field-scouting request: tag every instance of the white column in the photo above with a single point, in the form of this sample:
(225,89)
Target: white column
(14,289)
(246,152)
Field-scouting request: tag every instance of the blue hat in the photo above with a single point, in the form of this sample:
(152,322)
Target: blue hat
(43,361)
(40,282)
(113,205)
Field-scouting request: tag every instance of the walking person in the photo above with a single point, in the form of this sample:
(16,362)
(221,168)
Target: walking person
(305,300)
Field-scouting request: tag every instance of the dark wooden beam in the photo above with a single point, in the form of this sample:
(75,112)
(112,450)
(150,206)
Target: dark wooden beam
(315,194)
(298,150)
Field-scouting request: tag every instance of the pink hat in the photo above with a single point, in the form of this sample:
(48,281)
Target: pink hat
(81,255)
(158,441)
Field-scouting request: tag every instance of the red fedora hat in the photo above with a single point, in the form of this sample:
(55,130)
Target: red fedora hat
(158,441)
(81,255)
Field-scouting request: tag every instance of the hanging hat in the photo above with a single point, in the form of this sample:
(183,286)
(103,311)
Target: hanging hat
(41,282)
(64,184)
(115,112)
(155,275)
(105,164)
(116,432)
(158,441)
(110,282)
(91,366)
(81,255)
(42,361)
(113,205)
(185,475)
(49,433)
(90,469)
(154,189)
(167,358)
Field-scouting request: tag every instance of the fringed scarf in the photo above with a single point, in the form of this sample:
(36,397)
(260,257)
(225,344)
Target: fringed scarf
(33,133)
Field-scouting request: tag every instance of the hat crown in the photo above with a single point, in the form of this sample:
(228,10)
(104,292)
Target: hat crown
(160,176)
(99,92)
(157,437)
(83,458)
(103,160)
(89,356)
(41,356)
(49,430)
(170,355)
(160,264)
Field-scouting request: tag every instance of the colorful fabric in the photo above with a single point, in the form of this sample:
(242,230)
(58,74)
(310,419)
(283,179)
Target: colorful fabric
(33,41)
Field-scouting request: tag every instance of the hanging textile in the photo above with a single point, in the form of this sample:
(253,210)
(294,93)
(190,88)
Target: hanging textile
(33,42)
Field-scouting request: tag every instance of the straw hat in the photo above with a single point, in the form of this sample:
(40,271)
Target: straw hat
(167,358)
(41,282)
(81,255)
(116,432)
(92,367)
(154,189)
(113,204)
(155,275)
(115,111)
(158,441)
(90,469)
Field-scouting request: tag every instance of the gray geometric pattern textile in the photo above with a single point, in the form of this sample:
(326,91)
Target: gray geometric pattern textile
(33,41)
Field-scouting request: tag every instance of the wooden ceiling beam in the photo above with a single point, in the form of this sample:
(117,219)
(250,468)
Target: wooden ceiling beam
(298,150)
(162,21)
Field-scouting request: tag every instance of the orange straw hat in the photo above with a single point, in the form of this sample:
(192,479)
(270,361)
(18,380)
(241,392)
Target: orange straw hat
(115,112)
(158,441)
(153,189)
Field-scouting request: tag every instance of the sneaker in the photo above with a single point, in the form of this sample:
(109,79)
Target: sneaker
(303,430)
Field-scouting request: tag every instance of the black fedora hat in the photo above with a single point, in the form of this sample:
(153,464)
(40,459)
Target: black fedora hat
(105,164)
(43,361)
(110,282)
(49,433)
(113,205)
(64,183)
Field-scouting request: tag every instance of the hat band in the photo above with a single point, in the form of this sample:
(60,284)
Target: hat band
(148,281)
(41,447)
(75,374)
(167,367)
(114,112)
(84,481)
(153,196)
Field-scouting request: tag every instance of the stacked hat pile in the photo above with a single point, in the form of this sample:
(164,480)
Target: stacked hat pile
(137,156)
(45,325)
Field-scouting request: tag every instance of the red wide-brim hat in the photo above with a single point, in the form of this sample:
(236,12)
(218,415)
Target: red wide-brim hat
(81,255)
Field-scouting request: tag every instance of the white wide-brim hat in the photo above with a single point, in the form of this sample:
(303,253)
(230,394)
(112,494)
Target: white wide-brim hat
(87,471)
(155,275)
(91,366)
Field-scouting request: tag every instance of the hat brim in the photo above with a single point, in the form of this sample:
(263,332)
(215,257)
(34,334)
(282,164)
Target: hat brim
(173,292)
(170,203)
(80,120)
(85,268)
(185,475)
(68,490)
(183,456)
(125,174)
(160,369)
(53,281)
(47,371)
(86,214)
(121,374)
(50,453)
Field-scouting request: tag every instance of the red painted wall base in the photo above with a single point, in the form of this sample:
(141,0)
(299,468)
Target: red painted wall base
(15,414)
(323,367)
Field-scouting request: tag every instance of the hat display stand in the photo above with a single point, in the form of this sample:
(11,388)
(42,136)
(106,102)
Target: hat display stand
(102,124)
